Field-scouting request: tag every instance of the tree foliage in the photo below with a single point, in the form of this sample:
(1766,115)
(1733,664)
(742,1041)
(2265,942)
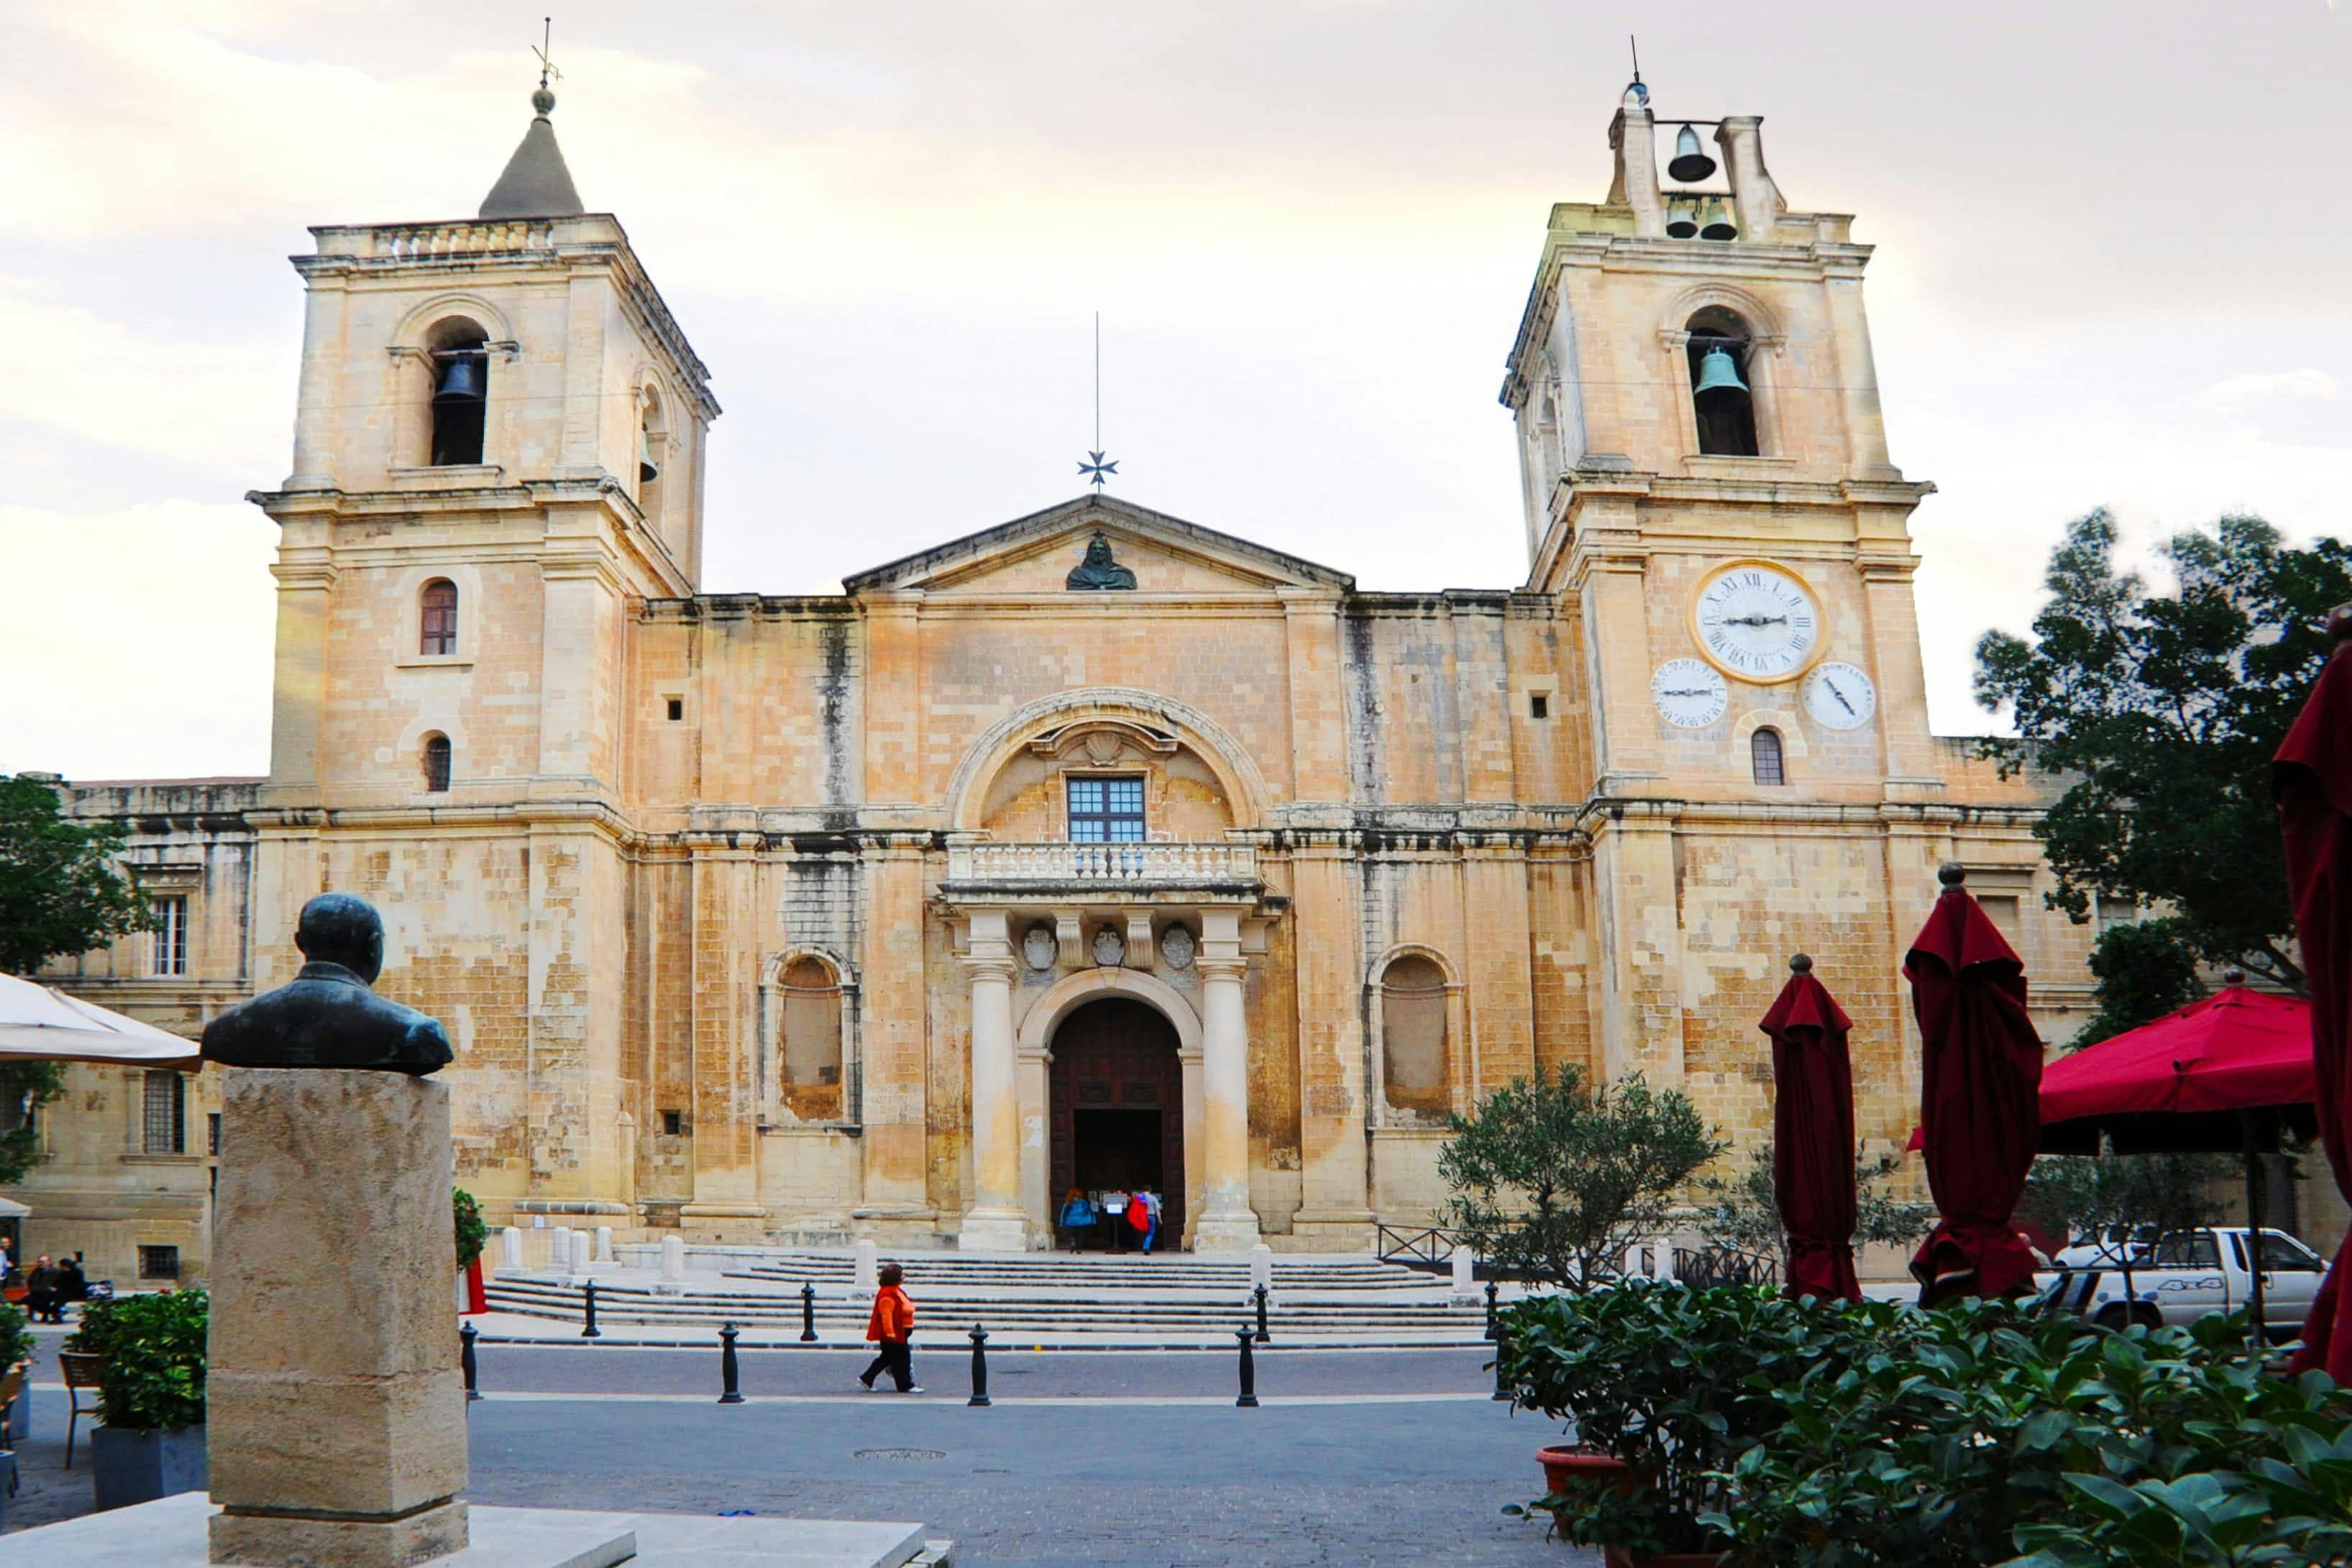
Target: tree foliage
(2145,969)
(2079,1196)
(1553,1179)
(62,892)
(1742,1213)
(2165,710)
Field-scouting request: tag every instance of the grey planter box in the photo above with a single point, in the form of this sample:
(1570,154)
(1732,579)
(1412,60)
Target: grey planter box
(140,1466)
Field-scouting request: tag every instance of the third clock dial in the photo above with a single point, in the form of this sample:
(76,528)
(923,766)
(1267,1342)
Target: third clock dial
(1840,696)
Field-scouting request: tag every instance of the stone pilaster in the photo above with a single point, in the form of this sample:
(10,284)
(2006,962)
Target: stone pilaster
(1228,1224)
(994,1223)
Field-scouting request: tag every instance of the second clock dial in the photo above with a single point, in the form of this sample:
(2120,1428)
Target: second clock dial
(1690,695)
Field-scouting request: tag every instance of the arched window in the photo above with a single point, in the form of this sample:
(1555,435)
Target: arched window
(653,453)
(1412,1036)
(437,616)
(1721,393)
(1764,752)
(457,351)
(809,1055)
(436,764)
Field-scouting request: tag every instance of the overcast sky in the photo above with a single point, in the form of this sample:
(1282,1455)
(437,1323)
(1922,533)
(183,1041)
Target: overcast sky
(2112,267)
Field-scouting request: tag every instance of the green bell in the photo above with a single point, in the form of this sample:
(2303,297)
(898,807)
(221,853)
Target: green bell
(1719,223)
(1682,220)
(1690,165)
(1718,372)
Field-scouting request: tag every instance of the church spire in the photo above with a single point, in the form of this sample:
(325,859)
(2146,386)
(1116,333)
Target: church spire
(536,184)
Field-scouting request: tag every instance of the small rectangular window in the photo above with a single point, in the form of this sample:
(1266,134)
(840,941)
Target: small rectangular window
(677,709)
(212,1133)
(1538,705)
(165,1120)
(159,1262)
(1107,810)
(674,1123)
(168,954)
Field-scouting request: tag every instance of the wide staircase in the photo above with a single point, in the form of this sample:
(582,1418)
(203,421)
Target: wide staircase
(1159,1299)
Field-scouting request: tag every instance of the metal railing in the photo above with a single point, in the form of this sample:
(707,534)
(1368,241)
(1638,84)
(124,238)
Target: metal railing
(1430,1246)
(1163,865)
(1714,1266)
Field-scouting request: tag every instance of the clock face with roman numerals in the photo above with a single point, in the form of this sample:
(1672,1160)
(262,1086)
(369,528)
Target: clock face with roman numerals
(1757,623)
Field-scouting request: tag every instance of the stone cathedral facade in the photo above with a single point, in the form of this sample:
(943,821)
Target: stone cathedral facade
(1092,848)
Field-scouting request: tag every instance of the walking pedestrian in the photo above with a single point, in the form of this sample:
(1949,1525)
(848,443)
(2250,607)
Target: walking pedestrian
(1077,1219)
(1138,1217)
(891,1328)
(1151,1196)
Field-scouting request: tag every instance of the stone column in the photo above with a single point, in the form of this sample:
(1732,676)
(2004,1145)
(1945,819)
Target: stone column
(336,1416)
(1228,1225)
(994,1223)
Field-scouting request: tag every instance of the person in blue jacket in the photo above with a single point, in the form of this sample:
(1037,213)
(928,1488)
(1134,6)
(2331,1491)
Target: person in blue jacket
(1077,1219)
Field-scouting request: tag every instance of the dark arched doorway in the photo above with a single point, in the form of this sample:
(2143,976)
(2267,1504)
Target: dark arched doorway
(1117,1099)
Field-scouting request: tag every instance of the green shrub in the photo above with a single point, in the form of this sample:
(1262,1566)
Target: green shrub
(472,1234)
(151,1376)
(16,1341)
(1676,1382)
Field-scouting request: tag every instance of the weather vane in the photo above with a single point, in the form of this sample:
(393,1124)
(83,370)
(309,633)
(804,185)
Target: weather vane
(1094,468)
(546,42)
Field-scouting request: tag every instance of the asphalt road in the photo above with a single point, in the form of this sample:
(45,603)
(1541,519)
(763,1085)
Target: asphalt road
(1106,1460)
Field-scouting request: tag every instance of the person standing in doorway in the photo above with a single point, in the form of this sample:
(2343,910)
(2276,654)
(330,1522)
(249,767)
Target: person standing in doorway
(892,1329)
(1138,1217)
(1150,1196)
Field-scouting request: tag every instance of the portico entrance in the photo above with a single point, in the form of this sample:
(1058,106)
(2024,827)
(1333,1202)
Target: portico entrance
(1116,1102)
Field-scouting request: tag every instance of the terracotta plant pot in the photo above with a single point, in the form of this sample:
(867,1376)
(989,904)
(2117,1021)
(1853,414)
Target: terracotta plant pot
(1618,1557)
(1564,1465)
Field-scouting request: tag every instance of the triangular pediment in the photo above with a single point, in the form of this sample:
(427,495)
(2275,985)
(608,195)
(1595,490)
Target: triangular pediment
(1036,553)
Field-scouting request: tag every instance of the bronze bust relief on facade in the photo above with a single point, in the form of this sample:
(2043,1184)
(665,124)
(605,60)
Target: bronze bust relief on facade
(1099,571)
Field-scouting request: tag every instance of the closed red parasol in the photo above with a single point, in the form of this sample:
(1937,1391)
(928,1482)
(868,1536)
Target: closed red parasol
(2312,777)
(1813,1134)
(1981,1071)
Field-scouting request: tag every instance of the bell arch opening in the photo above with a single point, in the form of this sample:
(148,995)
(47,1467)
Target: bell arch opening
(1116,1108)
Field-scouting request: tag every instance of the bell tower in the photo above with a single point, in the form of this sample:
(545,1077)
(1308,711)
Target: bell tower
(1707,483)
(499,442)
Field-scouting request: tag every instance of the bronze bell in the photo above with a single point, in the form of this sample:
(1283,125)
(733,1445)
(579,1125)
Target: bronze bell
(1682,219)
(461,380)
(647,470)
(1690,165)
(1718,224)
(1718,371)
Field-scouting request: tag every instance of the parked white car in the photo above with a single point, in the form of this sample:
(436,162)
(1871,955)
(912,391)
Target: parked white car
(2188,1274)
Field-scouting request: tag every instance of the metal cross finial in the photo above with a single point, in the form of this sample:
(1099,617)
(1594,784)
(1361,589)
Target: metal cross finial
(546,41)
(1094,468)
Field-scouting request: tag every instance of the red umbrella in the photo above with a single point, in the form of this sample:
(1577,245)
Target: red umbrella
(2312,777)
(1982,1070)
(2177,1084)
(1813,1134)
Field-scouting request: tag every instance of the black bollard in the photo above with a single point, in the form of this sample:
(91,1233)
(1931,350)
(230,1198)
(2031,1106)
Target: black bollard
(1263,1337)
(1493,1289)
(808,1314)
(979,1367)
(726,1372)
(1501,1392)
(1248,1401)
(589,1329)
(466,1336)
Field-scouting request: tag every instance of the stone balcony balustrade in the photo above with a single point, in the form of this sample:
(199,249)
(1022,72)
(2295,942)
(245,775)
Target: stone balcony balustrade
(995,872)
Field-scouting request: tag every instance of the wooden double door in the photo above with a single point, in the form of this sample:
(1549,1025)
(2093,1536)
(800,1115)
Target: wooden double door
(1117,1108)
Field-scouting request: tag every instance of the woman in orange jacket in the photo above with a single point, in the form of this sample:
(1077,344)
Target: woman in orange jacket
(891,1327)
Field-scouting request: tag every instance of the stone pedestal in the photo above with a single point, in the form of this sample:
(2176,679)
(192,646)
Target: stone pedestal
(336,1412)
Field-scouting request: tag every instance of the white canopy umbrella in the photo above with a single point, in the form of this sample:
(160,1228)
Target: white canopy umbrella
(40,1024)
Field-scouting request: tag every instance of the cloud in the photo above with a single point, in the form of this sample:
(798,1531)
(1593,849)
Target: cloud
(2265,386)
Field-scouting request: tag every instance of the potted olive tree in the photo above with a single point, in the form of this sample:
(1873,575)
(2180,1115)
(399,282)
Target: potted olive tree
(150,1442)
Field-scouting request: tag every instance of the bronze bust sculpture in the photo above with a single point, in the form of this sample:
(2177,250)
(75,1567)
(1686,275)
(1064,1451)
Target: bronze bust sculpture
(1099,571)
(327,1017)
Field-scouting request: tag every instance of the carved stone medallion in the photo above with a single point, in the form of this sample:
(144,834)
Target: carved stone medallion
(1110,948)
(1176,945)
(1040,948)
